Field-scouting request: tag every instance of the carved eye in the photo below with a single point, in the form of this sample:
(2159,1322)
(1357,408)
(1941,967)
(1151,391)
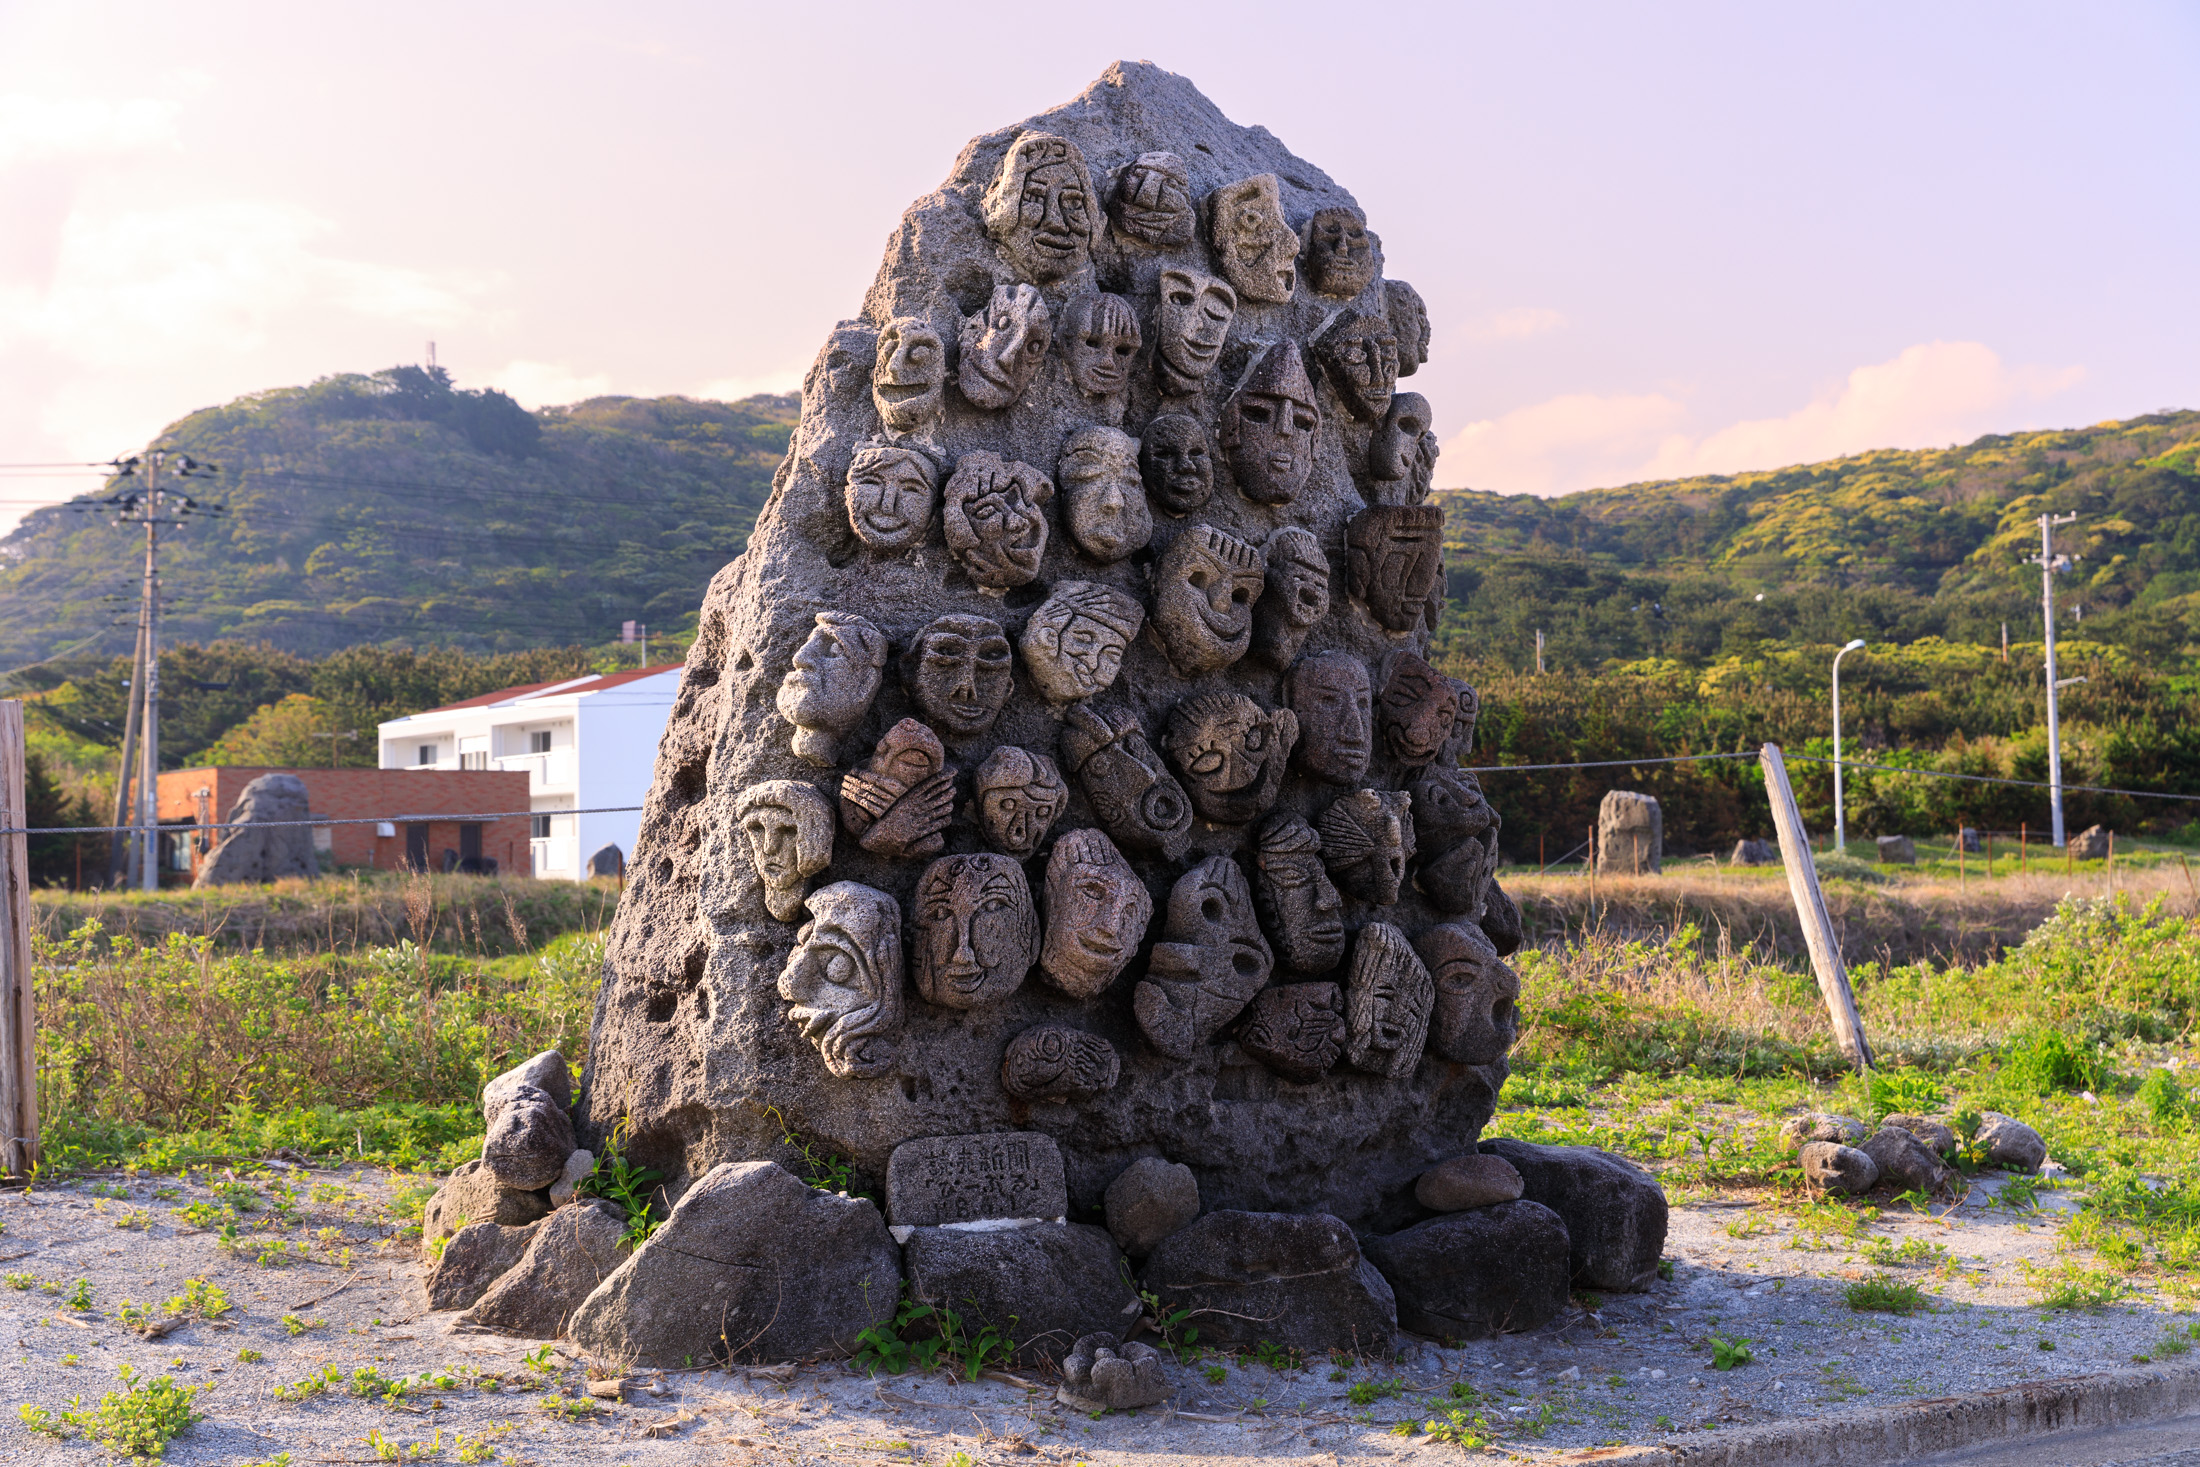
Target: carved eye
(1094,342)
(1303,421)
(939,914)
(921,352)
(1253,412)
(1181,298)
(1123,349)
(1239,596)
(992,652)
(1199,579)
(1196,452)
(1289,877)
(991,905)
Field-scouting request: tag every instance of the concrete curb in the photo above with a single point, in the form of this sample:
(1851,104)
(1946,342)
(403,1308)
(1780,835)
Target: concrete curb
(1893,1434)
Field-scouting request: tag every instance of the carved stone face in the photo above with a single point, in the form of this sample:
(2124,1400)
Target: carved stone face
(1204,590)
(977,934)
(843,366)
(1268,428)
(1153,201)
(1336,716)
(1396,560)
(1367,838)
(1177,467)
(1074,643)
(1051,1063)
(1359,356)
(1418,707)
(958,671)
(890,494)
(1020,796)
(1403,450)
(1209,964)
(1003,346)
(1096,909)
(1041,209)
(1256,247)
(1296,1029)
(1388,996)
(1195,315)
(1103,498)
(898,804)
(787,825)
(1409,322)
(1341,256)
(1449,807)
(844,978)
(1298,902)
(1296,596)
(1100,342)
(829,687)
(996,523)
(909,382)
(1137,800)
(1231,754)
(1477,1014)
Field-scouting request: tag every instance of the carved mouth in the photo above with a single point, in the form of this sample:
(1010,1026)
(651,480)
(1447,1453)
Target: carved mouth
(1153,219)
(1327,932)
(899,392)
(1100,943)
(991,370)
(964,978)
(885,521)
(1201,352)
(1280,463)
(1108,379)
(1055,242)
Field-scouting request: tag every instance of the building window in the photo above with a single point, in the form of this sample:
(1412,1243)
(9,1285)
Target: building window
(427,754)
(541,824)
(476,759)
(538,742)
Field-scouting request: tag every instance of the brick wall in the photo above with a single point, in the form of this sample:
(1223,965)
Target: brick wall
(391,795)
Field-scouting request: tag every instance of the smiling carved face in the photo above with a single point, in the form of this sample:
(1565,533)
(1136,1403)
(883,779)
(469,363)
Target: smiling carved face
(1196,311)
(1204,590)
(910,375)
(958,670)
(1096,909)
(890,496)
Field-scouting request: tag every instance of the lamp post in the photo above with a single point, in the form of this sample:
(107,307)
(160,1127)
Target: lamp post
(1840,820)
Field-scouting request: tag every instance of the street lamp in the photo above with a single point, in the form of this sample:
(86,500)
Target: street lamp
(1840,822)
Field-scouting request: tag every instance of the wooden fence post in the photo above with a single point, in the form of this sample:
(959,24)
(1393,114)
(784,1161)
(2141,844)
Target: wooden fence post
(18,998)
(1810,906)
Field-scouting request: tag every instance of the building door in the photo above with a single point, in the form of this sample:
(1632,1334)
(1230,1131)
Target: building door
(416,846)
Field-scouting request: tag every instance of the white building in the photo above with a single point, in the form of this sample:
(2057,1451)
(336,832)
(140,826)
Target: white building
(586,743)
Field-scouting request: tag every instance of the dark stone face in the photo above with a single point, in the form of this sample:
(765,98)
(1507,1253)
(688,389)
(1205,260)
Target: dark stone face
(898,804)
(1396,561)
(1402,453)
(1051,1063)
(1388,996)
(1003,346)
(1340,253)
(909,382)
(1040,208)
(1274,451)
(1153,201)
(1296,1029)
(1204,590)
(1020,796)
(1231,754)
(1178,467)
(1409,321)
(976,933)
(1297,901)
(1335,709)
(1194,322)
(958,671)
(1367,837)
(1477,1014)
(995,517)
(1449,807)
(1138,802)
(1096,913)
(1295,598)
(1418,709)
(1359,355)
(1099,344)
(1209,964)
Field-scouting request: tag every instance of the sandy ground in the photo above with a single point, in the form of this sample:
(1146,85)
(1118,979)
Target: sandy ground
(1633,1369)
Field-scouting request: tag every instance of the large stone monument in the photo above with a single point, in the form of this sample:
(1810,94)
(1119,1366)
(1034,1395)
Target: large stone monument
(264,838)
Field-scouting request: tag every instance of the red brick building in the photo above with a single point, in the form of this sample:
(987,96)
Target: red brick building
(403,816)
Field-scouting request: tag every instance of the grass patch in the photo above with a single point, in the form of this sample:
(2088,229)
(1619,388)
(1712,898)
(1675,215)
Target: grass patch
(1884,1295)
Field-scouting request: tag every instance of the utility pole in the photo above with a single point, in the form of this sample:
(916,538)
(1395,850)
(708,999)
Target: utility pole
(2049,563)
(1539,651)
(121,847)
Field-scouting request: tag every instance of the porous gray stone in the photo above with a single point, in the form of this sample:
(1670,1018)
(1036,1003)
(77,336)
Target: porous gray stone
(476,1256)
(2008,1142)
(752,1265)
(1102,1373)
(1043,1285)
(257,850)
(1294,1280)
(1830,1166)
(1897,850)
(567,1186)
(2089,844)
(1614,1211)
(1754,853)
(1799,1131)
(472,1194)
(1938,1136)
(572,1251)
(1150,1200)
(951,1179)
(1471,1275)
(530,1139)
(1468,1181)
(1907,1163)
(547,1072)
(1630,834)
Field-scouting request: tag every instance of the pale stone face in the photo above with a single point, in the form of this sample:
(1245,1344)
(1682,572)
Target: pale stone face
(1153,201)
(1298,902)
(1074,644)
(908,384)
(1204,590)
(1231,754)
(843,979)
(1096,913)
(995,518)
(976,932)
(959,671)
(830,683)
(1196,311)
(1256,247)
(1100,342)
(1041,209)
(1003,346)
(1360,358)
(891,492)
(1020,796)
(1103,498)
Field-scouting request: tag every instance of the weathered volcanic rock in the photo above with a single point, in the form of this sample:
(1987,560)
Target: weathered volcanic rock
(1295,1281)
(259,850)
(472,1194)
(1104,1374)
(474,1259)
(1799,1131)
(572,1251)
(1613,1210)
(1150,1200)
(547,1072)
(2009,1142)
(1468,1181)
(1907,1163)
(1939,1137)
(1470,1275)
(1043,1285)
(1831,1167)
(530,1139)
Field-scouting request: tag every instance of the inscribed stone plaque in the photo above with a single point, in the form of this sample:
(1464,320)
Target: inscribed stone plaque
(948,1179)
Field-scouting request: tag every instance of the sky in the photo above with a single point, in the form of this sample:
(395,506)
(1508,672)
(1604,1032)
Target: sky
(1654,240)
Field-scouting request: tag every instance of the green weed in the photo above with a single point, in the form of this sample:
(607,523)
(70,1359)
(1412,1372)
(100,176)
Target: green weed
(1885,1295)
(136,1422)
(1728,1354)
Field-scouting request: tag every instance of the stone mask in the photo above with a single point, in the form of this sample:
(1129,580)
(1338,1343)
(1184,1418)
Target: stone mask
(976,933)
(890,494)
(1230,753)
(843,365)
(1194,321)
(1336,714)
(1269,425)
(1417,710)
(1204,589)
(787,825)
(1100,343)
(1020,796)
(1367,838)
(1052,1063)
(897,805)
(995,517)
(1295,597)
(1133,795)
(1177,467)
(1298,902)
(1395,563)
(1449,807)
(1041,209)
(829,687)
(957,670)
(1075,642)
(1409,323)
(1341,256)
(1388,995)
(1401,456)
(909,382)
(1103,498)
(1153,201)
(844,978)
(1255,245)
(1003,346)
(1096,910)
(1296,1029)
(1209,964)
(1477,1015)
(1359,356)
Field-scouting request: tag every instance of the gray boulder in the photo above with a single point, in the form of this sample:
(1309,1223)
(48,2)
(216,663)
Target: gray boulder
(1614,1211)
(1104,1374)
(752,1265)
(530,1139)
(472,1194)
(1897,850)
(1471,1275)
(568,1184)
(572,1251)
(1938,1136)
(2091,844)
(1467,1181)
(1043,1285)
(258,851)
(608,861)
(1630,834)
(546,1072)
(476,1256)
(1972,844)
(1906,1163)
(1828,1166)
(1754,853)
(1294,1280)
(2009,1142)
(1150,1200)
(1799,1131)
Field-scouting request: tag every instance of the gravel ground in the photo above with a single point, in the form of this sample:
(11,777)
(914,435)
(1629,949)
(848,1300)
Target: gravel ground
(1634,1369)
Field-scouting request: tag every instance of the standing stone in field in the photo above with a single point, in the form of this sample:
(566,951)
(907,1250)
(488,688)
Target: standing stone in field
(1630,834)
(2090,844)
(255,848)
(1896,850)
(2009,1142)
(472,1194)
(609,861)
(1761,853)
(1973,844)
(1829,1166)
(1615,1215)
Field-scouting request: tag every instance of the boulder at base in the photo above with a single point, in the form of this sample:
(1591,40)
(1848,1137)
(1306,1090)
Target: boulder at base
(574,1250)
(1043,1285)
(752,1265)
(1150,1200)
(1613,1210)
(1939,1137)
(1294,1280)
(547,1072)
(257,850)
(1831,1167)
(1907,1163)
(477,1255)
(1471,1275)
(472,1194)
(530,1139)
(1467,1181)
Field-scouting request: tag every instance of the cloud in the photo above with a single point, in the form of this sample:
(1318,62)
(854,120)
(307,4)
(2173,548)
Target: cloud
(547,384)
(733,389)
(1517,324)
(42,129)
(1563,444)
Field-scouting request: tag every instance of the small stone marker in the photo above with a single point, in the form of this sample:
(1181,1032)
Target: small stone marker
(1630,834)
(951,1179)
(609,861)
(1897,850)
(1754,853)
(2090,844)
